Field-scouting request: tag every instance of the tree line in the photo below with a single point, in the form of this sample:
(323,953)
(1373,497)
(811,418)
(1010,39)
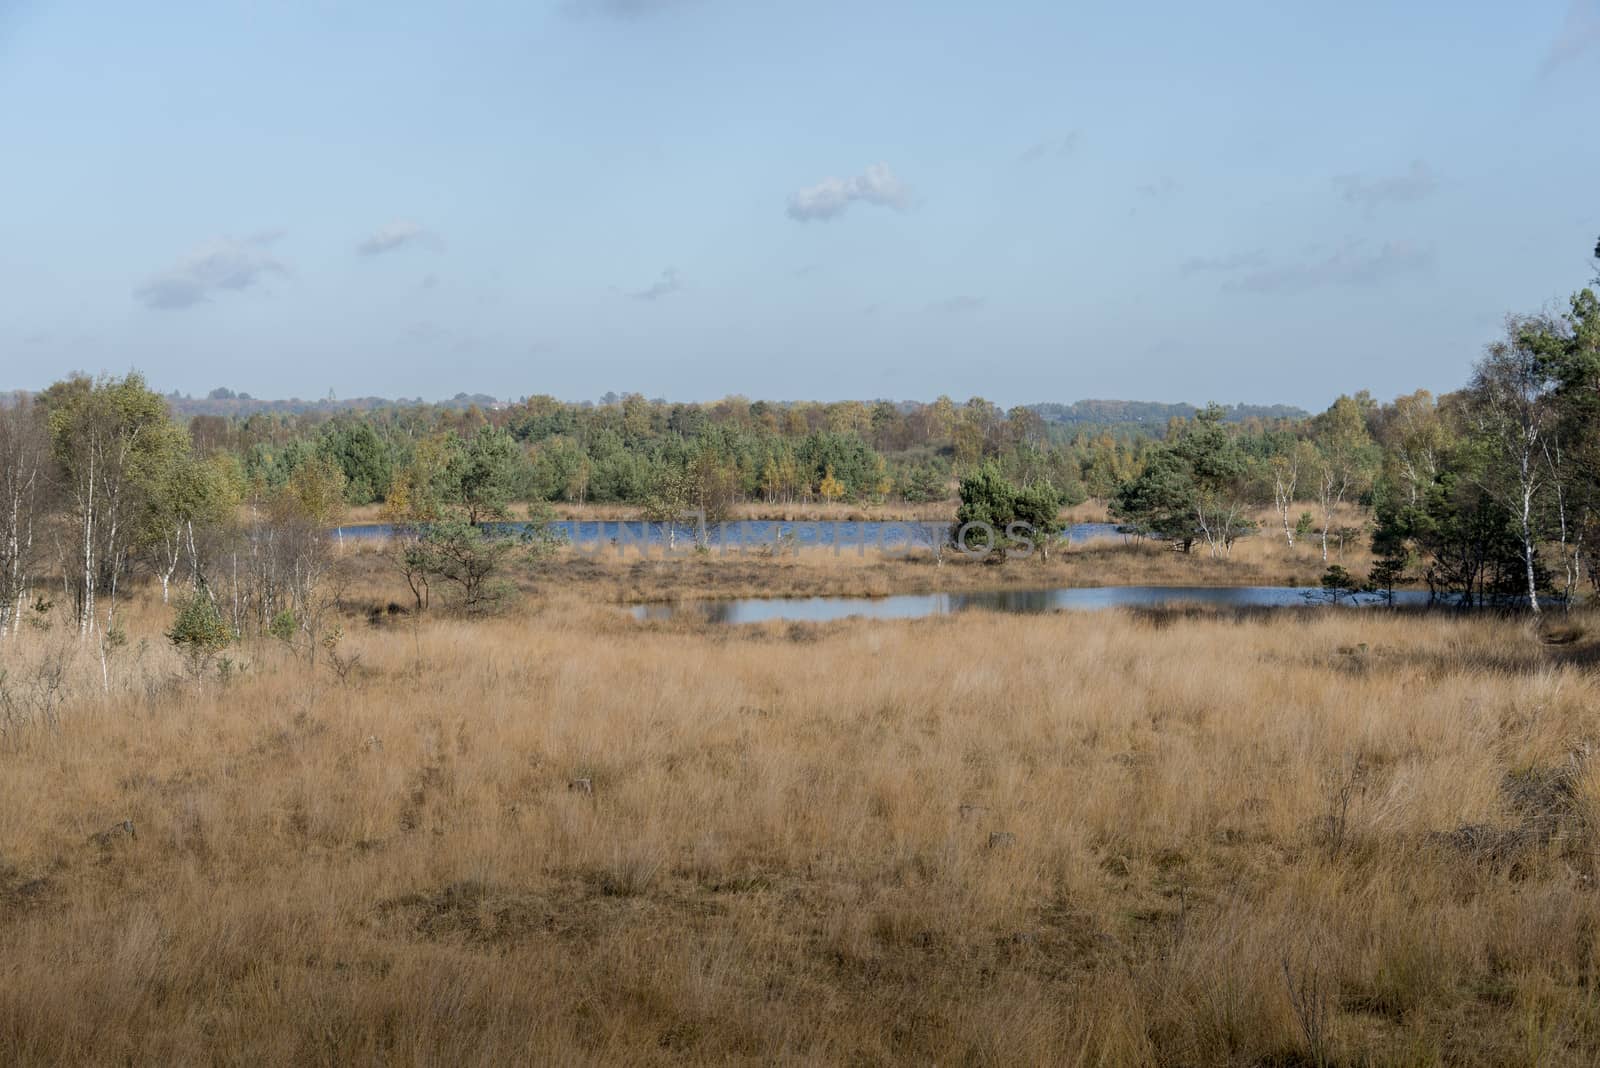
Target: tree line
(1488,493)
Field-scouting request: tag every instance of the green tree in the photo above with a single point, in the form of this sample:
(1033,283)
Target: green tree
(1346,458)
(24,471)
(1037,509)
(198,629)
(485,475)
(185,492)
(1570,348)
(1391,547)
(1512,402)
(988,504)
(475,562)
(361,456)
(667,504)
(463,557)
(111,439)
(924,484)
(316,492)
(1219,472)
(1161,500)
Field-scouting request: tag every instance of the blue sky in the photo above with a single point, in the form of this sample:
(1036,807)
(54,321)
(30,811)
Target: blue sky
(1027,201)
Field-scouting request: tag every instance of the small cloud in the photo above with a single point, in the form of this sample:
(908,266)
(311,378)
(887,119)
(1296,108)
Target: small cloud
(37,338)
(1415,184)
(1351,266)
(223,265)
(960,304)
(1164,189)
(430,281)
(1051,148)
(831,196)
(1579,35)
(395,235)
(541,348)
(669,283)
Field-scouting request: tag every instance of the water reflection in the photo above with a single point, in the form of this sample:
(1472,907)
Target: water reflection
(911,606)
(848,535)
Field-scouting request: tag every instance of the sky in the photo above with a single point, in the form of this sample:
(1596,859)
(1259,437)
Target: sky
(1027,201)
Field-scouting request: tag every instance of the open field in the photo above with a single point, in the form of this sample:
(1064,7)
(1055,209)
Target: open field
(560,837)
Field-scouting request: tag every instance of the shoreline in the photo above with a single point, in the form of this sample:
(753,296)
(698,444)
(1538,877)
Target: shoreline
(614,575)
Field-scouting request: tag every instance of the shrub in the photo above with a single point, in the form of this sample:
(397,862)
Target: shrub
(198,628)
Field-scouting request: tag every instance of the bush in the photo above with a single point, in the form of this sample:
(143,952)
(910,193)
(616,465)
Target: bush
(199,629)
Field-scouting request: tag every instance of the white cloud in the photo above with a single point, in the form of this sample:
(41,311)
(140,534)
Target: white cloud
(831,196)
(670,282)
(1579,35)
(223,265)
(1351,266)
(1415,184)
(394,235)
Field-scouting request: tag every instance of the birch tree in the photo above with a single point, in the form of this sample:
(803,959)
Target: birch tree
(1345,458)
(1414,438)
(185,492)
(1571,349)
(1288,471)
(24,456)
(1513,407)
(110,439)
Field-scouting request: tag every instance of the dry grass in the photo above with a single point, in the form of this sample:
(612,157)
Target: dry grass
(1337,838)
(623,573)
(627,575)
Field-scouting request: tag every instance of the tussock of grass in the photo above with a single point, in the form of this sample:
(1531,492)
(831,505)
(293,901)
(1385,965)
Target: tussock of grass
(1078,839)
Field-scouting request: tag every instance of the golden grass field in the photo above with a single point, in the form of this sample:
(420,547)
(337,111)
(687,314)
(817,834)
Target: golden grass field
(561,837)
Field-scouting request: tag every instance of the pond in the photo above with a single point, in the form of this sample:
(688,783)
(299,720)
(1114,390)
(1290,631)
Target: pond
(912,606)
(752,533)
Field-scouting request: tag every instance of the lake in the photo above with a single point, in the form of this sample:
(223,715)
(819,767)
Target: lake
(912,606)
(862,534)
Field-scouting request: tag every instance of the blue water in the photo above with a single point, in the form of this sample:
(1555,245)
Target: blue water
(912,606)
(866,534)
